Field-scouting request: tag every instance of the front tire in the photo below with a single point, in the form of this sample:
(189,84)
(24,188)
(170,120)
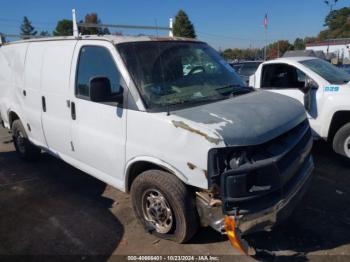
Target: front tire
(341,141)
(24,147)
(164,206)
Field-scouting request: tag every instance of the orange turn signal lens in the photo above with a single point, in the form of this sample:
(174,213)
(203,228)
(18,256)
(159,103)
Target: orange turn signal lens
(234,236)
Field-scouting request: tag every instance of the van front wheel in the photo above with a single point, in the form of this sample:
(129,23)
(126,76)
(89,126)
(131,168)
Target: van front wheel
(23,146)
(164,206)
(341,141)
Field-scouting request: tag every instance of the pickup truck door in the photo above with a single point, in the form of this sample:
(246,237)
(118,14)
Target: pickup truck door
(287,80)
(98,129)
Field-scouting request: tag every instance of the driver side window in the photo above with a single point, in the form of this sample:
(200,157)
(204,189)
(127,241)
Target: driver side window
(282,76)
(95,61)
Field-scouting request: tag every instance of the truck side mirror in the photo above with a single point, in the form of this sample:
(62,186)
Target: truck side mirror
(101,91)
(309,85)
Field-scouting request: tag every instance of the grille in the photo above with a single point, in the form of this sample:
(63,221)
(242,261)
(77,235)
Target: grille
(271,171)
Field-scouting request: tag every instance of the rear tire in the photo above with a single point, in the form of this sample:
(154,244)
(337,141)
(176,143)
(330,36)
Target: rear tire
(341,141)
(24,147)
(164,206)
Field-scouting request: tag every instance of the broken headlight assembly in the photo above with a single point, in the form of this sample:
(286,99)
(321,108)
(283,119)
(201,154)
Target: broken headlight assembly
(241,174)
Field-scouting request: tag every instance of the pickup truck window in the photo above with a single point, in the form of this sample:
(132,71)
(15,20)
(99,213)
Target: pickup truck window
(179,73)
(327,71)
(282,76)
(95,61)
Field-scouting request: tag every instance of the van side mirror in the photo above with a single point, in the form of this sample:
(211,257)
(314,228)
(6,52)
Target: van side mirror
(101,91)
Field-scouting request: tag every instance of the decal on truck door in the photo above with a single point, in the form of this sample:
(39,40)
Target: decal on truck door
(331,89)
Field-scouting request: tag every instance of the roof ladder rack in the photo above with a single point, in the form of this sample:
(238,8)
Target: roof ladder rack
(92,25)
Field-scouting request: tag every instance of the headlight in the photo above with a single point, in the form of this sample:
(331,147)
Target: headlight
(237,174)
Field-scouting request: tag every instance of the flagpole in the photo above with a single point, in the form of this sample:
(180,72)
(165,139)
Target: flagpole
(265,44)
(265,26)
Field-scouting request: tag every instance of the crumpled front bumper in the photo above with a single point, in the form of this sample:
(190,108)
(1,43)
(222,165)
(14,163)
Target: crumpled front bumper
(265,219)
(211,213)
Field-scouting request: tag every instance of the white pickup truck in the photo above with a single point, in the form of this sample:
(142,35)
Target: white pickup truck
(193,147)
(323,89)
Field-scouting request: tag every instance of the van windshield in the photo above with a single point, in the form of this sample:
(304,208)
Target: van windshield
(170,73)
(327,71)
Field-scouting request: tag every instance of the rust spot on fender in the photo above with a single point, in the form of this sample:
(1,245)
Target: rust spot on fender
(185,126)
(193,166)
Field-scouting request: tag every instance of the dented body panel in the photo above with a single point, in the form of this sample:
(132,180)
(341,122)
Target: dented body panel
(201,144)
(245,120)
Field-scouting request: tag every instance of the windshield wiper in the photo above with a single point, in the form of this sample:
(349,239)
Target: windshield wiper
(239,91)
(230,86)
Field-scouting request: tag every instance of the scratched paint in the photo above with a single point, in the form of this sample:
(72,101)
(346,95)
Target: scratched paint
(183,125)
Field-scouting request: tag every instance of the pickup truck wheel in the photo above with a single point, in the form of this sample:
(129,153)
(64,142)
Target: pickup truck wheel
(341,141)
(23,146)
(164,206)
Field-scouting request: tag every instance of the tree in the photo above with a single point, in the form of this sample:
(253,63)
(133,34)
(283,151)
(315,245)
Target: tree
(277,49)
(44,33)
(237,54)
(3,38)
(27,30)
(331,3)
(299,44)
(309,40)
(183,27)
(337,23)
(93,19)
(63,28)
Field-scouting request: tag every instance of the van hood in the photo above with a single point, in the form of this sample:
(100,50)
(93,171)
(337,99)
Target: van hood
(244,120)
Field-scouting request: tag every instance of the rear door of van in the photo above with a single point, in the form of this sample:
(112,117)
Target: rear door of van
(55,81)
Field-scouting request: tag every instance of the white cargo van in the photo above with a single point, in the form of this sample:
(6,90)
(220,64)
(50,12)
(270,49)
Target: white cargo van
(193,147)
(323,88)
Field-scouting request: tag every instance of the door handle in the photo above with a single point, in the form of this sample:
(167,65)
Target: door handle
(72,110)
(43,103)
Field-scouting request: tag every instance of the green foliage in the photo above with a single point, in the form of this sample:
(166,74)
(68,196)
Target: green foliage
(27,29)
(238,54)
(63,28)
(3,38)
(44,33)
(93,19)
(331,3)
(277,49)
(337,23)
(183,27)
(299,44)
(309,40)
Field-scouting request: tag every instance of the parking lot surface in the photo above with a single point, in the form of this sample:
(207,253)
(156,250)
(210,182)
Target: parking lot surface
(50,208)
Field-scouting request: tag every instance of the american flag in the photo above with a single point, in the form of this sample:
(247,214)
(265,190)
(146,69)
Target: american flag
(266,21)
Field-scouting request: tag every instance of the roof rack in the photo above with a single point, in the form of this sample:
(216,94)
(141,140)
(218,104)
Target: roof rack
(77,35)
(143,27)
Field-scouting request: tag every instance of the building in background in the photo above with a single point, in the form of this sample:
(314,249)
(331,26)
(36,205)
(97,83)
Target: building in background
(336,50)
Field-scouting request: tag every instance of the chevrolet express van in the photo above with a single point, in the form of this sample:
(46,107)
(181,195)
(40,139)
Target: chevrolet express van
(165,119)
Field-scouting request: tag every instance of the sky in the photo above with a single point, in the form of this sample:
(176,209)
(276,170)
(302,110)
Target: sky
(221,23)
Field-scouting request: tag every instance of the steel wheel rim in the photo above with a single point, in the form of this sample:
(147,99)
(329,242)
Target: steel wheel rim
(347,147)
(157,211)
